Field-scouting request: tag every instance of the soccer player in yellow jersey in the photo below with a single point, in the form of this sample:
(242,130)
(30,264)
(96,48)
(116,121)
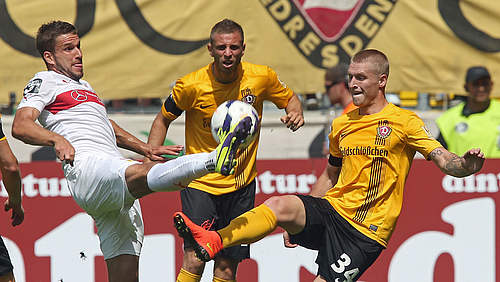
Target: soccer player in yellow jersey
(213,200)
(350,220)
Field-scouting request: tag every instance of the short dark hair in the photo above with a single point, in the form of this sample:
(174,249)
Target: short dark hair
(226,26)
(47,33)
(378,58)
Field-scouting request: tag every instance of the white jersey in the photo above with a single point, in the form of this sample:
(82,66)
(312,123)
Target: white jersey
(72,109)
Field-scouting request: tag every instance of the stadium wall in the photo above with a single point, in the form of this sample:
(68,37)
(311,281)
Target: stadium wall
(447,231)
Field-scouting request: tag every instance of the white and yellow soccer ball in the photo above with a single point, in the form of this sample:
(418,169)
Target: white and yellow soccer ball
(229,113)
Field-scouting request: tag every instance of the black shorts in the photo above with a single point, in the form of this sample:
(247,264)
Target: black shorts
(343,252)
(5,264)
(216,211)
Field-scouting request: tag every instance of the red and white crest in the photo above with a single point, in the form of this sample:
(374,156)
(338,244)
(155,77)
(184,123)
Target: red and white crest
(384,131)
(328,32)
(329,18)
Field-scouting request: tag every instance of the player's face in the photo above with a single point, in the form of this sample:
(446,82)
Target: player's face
(365,84)
(227,50)
(67,56)
(479,90)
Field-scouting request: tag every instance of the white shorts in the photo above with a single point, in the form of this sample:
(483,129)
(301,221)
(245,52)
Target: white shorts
(97,183)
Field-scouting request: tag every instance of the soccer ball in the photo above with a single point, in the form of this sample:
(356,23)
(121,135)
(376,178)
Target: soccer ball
(230,113)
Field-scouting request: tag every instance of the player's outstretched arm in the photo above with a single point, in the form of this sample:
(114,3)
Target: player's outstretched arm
(294,118)
(27,130)
(128,141)
(451,164)
(12,182)
(158,130)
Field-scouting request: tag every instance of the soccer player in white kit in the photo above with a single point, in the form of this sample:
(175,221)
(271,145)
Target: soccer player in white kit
(74,121)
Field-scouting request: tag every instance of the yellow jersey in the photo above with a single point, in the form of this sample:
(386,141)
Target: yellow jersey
(376,151)
(199,94)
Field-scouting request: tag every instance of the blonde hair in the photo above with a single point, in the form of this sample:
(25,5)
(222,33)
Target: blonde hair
(377,58)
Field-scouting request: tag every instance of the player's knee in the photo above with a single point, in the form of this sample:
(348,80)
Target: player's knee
(136,177)
(283,208)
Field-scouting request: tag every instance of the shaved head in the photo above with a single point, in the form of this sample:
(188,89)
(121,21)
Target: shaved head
(377,58)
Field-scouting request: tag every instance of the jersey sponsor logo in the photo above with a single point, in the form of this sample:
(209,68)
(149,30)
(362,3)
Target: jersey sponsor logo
(205,106)
(248,96)
(32,87)
(329,32)
(79,96)
(364,150)
(72,98)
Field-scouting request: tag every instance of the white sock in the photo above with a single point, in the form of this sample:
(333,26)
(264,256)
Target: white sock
(176,174)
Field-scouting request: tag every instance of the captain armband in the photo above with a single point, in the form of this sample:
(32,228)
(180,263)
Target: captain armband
(170,109)
(335,161)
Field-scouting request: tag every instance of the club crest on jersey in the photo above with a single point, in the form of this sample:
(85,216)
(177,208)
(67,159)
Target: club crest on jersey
(384,131)
(79,96)
(329,32)
(248,96)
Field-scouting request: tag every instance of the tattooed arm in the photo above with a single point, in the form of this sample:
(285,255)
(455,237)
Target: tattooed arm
(453,165)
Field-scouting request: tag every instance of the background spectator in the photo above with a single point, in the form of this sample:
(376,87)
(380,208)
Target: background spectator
(475,122)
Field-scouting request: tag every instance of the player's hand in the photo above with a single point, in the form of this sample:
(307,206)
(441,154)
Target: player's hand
(474,160)
(64,150)
(293,120)
(17,211)
(286,241)
(156,152)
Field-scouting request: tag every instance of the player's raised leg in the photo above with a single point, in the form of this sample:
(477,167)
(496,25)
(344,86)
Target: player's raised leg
(285,211)
(176,174)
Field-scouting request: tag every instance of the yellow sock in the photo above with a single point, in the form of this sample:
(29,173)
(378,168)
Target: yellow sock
(186,276)
(249,227)
(217,279)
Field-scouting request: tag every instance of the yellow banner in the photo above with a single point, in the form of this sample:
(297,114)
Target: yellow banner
(138,48)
